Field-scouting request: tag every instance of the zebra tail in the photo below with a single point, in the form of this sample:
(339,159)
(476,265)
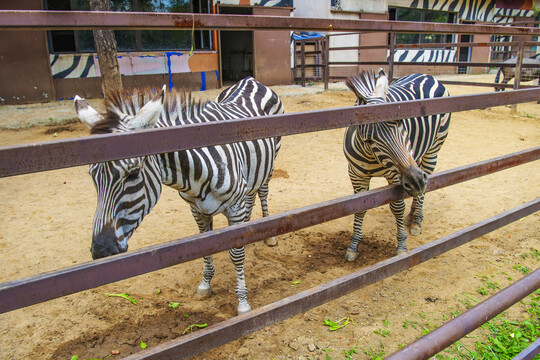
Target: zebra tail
(362,85)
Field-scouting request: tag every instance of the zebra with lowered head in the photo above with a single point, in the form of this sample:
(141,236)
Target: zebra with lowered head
(403,151)
(527,73)
(215,179)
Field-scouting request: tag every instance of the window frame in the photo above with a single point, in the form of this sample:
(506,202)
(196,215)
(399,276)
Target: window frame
(201,39)
(451,18)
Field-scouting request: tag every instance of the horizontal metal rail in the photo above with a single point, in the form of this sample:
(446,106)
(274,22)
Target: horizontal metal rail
(530,352)
(445,335)
(434,45)
(499,85)
(32,290)
(28,158)
(430,63)
(196,343)
(92,20)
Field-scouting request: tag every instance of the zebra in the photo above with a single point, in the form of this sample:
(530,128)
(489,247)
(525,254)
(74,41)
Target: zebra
(403,151)
(215,179)
(527,74)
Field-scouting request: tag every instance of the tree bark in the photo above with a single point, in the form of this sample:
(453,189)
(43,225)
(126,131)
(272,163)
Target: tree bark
(105,43)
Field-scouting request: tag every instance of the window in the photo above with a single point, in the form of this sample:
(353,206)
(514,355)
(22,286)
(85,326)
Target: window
(133,40)
(423,15)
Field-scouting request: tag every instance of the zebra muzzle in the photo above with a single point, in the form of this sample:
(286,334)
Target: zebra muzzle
(105,243)
(414,181)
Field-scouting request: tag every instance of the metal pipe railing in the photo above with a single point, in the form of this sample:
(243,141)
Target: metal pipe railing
(32,290)
(28,158)
(445,335)
(92,20)
(231,329)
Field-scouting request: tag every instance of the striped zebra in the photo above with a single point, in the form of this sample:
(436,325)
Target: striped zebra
(527,73)
(222,179)
(403,151)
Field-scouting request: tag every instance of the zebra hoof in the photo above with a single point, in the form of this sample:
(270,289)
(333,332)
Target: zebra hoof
(415,229)
(204,291)
(351,255)
(400,251)
(271,242)
(243,308)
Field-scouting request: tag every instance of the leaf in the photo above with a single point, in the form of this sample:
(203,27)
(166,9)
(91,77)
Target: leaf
(189,329)
(143,345)
(335,325)
(296,282)
(174,305)
(74,357)
(124,295)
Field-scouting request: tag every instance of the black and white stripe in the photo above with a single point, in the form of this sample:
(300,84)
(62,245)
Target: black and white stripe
(403,151)
(216,179)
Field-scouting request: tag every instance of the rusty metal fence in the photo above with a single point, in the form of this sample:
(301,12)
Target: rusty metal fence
(23,159)
(517,48)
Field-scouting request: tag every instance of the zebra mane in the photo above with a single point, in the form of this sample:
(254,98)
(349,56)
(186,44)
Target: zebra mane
(362,85)
(180,108)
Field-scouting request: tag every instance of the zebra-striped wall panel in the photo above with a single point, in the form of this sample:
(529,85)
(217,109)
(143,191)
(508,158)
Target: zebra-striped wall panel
(476,10)
(424,55)
(77,66)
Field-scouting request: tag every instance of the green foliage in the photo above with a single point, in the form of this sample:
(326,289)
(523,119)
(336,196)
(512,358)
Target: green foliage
(376,354)
(335,325)
(349,353)
(326,351)
(382,332)
(143,345)
(125,296)
(505,339)
(525,270)
(174,305)
(190,328)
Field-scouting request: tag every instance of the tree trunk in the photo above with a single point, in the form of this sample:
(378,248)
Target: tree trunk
(106,52)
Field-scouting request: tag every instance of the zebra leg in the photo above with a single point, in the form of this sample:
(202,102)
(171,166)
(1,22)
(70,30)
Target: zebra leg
(205,224)
(360,183)
(428,163)
(415,217)
(263,196)
(398,209)
(235,215)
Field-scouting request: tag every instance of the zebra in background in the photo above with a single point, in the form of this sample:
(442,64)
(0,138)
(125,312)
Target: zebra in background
(216,179)
(527,74)
(403,151)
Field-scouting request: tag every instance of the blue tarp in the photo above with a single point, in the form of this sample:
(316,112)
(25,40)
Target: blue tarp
(307,35)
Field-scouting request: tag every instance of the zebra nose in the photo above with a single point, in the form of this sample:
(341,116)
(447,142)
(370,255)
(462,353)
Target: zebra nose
(104,244)
(415,181)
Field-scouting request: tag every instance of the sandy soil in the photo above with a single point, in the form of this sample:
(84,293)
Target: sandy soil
(47,217)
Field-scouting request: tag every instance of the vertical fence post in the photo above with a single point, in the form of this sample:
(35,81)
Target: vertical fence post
(391,56)
(326,61)
(303,61)
(519,62)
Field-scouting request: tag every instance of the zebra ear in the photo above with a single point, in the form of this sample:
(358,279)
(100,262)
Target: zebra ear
(381,87)
(148,116)
(86,113)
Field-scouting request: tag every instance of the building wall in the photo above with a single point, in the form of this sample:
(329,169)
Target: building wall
(79,73)
(24,68)
(271,51)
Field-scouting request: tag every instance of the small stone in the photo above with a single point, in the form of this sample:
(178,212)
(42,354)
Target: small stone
(294,345)
(242,352)
(311,347)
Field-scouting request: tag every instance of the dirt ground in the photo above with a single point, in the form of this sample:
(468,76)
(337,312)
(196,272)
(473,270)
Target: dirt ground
(46,225)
